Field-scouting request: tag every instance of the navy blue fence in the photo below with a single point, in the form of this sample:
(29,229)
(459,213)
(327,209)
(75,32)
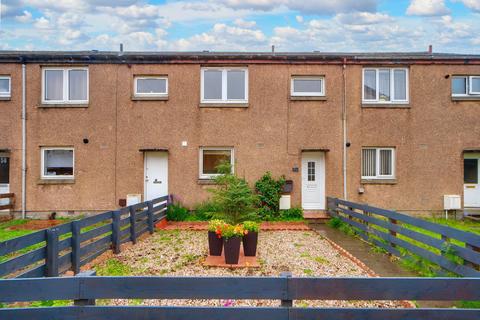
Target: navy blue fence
(69,246)
(84,289)
(401,235)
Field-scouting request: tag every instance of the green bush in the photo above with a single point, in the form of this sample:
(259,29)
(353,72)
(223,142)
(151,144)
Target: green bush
(233,196)
(176,212)
(206,210)
(291,214)
(269,191)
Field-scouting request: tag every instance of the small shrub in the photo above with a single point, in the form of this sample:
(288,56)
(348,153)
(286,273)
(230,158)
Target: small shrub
(176,212)
(206,210)
(269,191)
(335,223)
(265,214)
(291,214)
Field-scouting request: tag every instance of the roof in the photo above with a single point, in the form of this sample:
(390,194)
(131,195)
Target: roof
(95,56)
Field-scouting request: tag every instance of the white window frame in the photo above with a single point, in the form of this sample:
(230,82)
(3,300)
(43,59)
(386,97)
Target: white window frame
(467,81)
(378,176)
(293,93)
(224,85)
(154,94)
(7,94)
(42,163)
(470,80)
(392,87)
(66,84)
(213,175)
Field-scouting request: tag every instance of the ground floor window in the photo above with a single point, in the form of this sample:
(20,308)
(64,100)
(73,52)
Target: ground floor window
(378,163)
(211,157)
(57,163)
(4,170)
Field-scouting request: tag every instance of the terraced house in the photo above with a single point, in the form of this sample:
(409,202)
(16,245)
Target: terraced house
(88,131)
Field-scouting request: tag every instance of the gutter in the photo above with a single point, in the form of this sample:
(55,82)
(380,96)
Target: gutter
(24,142)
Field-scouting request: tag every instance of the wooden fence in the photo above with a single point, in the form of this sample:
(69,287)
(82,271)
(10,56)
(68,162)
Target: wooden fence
(84,289)
(69,246)
(390,230)
(11,201)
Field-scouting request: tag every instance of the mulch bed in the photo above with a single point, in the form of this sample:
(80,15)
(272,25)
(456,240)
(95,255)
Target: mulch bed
(265,226)
(36,225)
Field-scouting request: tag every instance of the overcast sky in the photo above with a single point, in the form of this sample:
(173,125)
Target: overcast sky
(241,25)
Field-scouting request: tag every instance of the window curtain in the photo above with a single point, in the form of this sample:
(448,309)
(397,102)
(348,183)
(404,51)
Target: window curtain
(54,85)
(400,85)
(77,88)
(369,159)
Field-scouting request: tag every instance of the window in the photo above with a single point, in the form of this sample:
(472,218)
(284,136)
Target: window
(311,171)
(378,163)
(4,170)
(385,85)
(470,171)
(210,158)
(5,87)
(65,85)
(57,163)
(149,86)
(465,86)
(307,86)
(224,85)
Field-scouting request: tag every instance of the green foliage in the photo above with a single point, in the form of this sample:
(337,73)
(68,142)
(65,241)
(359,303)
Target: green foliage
(176,212)
(251,226)
(233,197)
(335,223)
(50,303)
(114,267)
(206,210)
(291,214)
(230,231)
(215,224)
(269,191)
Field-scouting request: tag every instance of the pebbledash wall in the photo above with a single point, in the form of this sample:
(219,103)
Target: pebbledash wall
(430,134)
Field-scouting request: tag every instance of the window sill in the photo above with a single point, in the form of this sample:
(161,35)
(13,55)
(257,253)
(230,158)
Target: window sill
(223,105)
(378,181)
(156,98)
(63,105)
(206,182)
(308,98)
(56,181)
(386,105)
(5,98)
(466,98)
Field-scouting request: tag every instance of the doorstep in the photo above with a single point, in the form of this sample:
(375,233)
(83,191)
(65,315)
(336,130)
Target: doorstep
(243,262)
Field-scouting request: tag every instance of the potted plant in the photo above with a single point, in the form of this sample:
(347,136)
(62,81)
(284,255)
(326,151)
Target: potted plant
(250,238)
(232,237)
(215,239)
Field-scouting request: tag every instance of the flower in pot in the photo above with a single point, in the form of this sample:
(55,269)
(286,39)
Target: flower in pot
(250,238)
(215,239)
(232,237)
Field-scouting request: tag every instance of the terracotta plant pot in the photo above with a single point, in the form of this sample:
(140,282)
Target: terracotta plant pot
(250,241)
(215,244)
(232,250)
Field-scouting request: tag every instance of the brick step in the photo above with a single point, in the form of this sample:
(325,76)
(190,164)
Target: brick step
(316,216)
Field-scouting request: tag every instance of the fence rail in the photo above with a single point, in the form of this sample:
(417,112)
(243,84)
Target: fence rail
(85,289)
(69,246)
(391,231)
(11,201)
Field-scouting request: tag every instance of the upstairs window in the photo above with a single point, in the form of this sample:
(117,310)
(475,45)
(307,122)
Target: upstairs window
(378,163)
(224,85)
(5,87)
(210,158)
(65,85)
(150,86)
(466,86)
(57,163)
(385,85)
(307,86)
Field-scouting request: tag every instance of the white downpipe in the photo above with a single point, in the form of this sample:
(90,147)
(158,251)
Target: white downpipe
(24,143)
(344,123)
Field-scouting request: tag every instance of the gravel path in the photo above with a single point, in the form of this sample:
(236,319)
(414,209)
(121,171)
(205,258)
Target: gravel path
(181,253)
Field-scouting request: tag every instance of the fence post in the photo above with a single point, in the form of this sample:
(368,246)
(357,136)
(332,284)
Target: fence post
(150,216)
(286,303)
(133,234)
(116,232)
(52,253)
(84,302)
(468,263)
(393,233)
(76,246)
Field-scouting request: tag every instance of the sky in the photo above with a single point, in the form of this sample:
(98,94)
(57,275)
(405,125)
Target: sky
(241,25)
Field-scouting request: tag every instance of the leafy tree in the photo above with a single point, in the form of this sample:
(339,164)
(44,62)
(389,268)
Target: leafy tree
(269,191)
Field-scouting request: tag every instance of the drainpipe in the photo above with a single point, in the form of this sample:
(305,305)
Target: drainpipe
(24,140)
(344,125)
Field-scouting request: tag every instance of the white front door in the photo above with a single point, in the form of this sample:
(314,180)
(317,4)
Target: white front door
(4,178)
(156,175)
(313,180)
(471,187)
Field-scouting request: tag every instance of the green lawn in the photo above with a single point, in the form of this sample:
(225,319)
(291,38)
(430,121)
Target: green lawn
(6,234)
